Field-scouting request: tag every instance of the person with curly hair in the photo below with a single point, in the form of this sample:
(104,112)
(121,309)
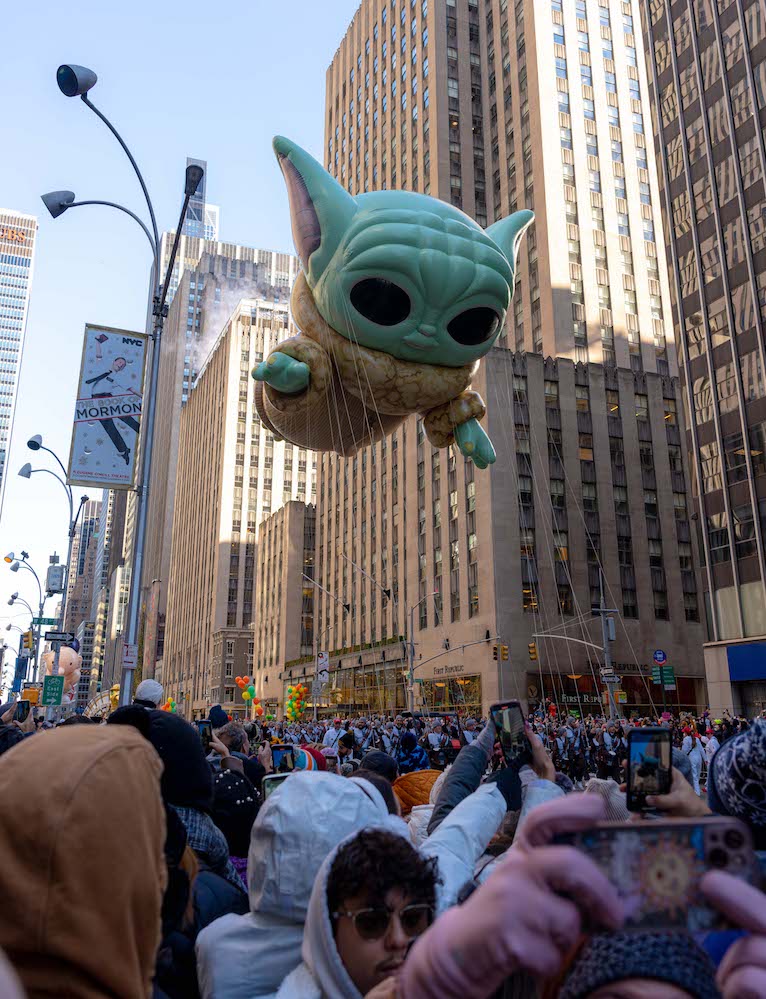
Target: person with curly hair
(373,897)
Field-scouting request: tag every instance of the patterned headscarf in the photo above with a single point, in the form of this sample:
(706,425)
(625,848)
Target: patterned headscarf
(737,780)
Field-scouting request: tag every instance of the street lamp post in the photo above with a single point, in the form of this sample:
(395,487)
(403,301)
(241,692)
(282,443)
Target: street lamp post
(77,81)
(19,563)
(26,471)
(346,609)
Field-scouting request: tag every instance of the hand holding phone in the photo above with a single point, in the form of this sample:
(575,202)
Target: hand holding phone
(271,782)
(205,729)
(283,759)
(22,710)
(511,732)
(657,867)
(649,766)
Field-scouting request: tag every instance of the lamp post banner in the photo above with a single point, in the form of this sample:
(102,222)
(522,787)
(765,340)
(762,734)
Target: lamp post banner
(107,416)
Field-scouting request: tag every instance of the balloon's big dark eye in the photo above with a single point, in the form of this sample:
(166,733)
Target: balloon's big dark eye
(474,326)
(382,302)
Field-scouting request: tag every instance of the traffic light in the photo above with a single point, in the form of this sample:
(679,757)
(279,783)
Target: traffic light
(29,639)
(504,653)
(532,651)
(494,652)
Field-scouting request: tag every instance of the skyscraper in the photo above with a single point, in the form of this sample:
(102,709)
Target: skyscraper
(707,77)
(284,611)
(495,109)
(18,234)
(208,294)
(81,576)
(201,219)
(231,475)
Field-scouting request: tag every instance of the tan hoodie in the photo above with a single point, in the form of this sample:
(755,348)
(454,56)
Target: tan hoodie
(82,868)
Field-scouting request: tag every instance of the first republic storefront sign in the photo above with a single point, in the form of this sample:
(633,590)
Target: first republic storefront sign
(107,420)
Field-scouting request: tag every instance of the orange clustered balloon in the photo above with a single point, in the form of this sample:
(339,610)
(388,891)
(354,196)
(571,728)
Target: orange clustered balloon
(248,693)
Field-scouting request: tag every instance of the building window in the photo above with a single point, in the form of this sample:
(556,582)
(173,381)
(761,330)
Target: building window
(552,395)
(661,605)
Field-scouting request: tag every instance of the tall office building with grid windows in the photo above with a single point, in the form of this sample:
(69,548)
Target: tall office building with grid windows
(18,234)
(493,107)
(707,69)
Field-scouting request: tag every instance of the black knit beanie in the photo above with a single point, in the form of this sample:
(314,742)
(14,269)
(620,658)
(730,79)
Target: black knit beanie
(235,806)
(381,763)
(187,780)
(666,957)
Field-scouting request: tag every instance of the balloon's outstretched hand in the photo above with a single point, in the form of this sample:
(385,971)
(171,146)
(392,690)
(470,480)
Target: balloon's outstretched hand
(283,373)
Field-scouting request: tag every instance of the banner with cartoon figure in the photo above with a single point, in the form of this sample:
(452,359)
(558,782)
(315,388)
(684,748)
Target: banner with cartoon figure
(107,419)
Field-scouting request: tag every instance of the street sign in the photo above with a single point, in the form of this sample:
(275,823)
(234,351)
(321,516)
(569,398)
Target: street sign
(129,656)
(323,661)
(612,679)
(44,620)
(59,636)
(659,657)
(668,678)
(53,691)
(656,674)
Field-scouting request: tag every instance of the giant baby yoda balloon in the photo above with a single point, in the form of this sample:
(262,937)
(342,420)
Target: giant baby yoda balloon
(399,298)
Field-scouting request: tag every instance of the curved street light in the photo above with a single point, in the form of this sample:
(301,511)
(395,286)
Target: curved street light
(35,443)
(78,81)
(23,563)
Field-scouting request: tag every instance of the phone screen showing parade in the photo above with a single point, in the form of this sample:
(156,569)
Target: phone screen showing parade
(649,765)
(509,725)
(283,759)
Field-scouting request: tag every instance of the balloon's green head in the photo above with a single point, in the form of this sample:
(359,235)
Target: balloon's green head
(401,272)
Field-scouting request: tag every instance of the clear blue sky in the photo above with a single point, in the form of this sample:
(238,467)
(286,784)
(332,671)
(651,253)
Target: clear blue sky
(203,79)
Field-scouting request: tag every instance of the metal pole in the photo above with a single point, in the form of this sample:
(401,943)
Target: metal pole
(411,650)
(607,649)
(316,672)
(134,592)
(147,443)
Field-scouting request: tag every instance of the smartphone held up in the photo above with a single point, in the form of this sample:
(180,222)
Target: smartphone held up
(511,732)
(205,729)
(650,766)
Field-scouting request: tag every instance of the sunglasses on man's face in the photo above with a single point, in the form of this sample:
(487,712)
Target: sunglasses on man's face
(372,924)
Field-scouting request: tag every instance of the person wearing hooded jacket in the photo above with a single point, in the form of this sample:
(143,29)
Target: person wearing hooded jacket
(375,869)
(187,788)
(410,755)
(247,957)
(83,832)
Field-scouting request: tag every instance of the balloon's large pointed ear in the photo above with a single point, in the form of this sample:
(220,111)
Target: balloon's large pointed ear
(507,233)
(320,209)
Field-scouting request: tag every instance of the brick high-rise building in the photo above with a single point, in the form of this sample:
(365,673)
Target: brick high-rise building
(81,575)
(284,612)
(495,108)
(208,294)
(231,475)
(707,70)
